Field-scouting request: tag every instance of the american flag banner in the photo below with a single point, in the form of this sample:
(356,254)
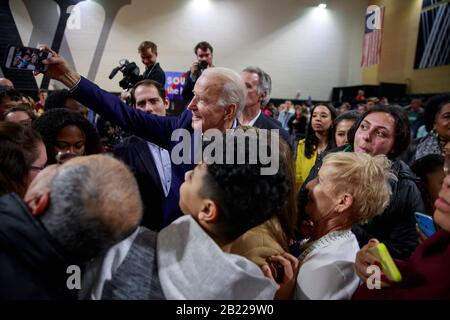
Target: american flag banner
(372,36)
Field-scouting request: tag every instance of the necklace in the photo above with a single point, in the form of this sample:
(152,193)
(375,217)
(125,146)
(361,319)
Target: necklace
(325,241)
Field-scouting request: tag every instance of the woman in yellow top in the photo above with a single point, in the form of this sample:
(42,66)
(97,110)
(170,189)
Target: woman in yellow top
(319,137)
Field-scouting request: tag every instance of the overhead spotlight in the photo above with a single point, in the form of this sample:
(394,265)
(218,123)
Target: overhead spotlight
(200,2)
(322,6)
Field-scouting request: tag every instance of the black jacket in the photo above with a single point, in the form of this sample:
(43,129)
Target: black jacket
(30,265)
(396,226)
(155,73)
(265,122)
(188,87)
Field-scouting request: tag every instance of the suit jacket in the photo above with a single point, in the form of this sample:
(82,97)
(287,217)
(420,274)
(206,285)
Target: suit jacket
(156,73)
(149,127)
(135,152)
(188,87)
(265,122)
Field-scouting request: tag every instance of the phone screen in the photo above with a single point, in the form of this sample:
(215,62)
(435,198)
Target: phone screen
(25,58)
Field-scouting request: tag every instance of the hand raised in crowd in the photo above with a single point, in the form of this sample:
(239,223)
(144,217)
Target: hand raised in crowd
(195,69)
(58,68)
(287,267)
(365,259)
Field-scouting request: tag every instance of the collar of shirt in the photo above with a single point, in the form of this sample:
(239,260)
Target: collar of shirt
(251,123)
(163,165)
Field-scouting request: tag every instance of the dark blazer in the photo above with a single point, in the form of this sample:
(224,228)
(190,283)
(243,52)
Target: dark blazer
(149,127)
(188,87)
(135,153)
(265,122)
(157,74)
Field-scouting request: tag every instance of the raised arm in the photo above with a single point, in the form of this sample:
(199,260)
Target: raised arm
(147,126)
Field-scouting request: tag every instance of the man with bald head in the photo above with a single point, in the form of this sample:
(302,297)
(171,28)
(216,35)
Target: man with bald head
(219,96)
(66,219)
(6,83)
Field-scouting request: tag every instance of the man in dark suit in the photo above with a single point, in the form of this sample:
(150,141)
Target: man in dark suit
(219,96)
(150,164)
(259,85)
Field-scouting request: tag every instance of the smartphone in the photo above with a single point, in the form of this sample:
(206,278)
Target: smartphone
(26,58)
(387,264)
(425,223)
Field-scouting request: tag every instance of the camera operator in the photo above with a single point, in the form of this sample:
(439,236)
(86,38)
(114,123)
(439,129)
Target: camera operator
(149,53)
(204,52)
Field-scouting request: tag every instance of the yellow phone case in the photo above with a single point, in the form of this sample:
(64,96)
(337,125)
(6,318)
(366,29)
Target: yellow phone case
(387,264)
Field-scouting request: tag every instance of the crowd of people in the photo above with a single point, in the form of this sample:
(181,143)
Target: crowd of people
(115,187)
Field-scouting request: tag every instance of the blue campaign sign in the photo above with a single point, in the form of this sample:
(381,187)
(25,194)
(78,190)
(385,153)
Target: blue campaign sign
(175,84)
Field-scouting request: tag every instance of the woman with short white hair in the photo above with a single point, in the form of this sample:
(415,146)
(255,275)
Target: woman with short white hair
(350,188)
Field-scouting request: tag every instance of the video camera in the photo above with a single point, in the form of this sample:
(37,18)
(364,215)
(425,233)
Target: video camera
(130,74)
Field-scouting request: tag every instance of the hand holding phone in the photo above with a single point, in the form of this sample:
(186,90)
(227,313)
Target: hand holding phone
(26,58)
(387,264)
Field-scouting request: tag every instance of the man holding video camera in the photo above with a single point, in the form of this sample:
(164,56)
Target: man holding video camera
(204,52)
(153,71)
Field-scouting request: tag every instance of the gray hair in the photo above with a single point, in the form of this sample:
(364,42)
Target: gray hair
(234,91)
(95,203)
(265,83)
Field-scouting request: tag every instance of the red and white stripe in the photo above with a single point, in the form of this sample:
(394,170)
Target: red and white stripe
(372,45)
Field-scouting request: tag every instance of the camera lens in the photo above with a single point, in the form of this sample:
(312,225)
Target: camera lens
(203,64)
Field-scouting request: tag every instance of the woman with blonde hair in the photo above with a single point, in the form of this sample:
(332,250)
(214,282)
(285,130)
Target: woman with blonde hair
(350,188)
